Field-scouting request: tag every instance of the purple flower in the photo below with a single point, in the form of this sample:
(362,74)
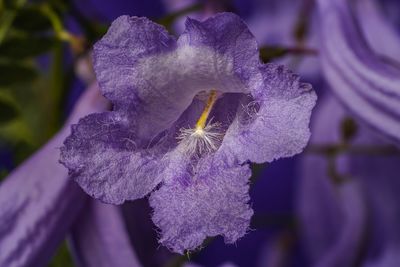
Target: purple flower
(99,238)
(189,115)
(361,79)
(38,201)
(40,205)
(355,221)
(332,216)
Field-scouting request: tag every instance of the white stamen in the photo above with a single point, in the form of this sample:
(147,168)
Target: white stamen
(198,141)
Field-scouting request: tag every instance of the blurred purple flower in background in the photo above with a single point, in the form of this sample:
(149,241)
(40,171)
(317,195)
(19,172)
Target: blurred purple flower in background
(99,238)
(348,218)
(348,205)
(35,221)
(39,202)
(365,83)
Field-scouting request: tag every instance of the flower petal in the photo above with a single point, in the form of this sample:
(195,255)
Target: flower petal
(157,85)
(99,238)
(212,202)
(229,36)
(367,85)
(104,159)
(38,201)
(127,40)
(275,124)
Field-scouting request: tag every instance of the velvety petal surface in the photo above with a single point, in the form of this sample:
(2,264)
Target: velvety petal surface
(366,84)
(230,37)
(38,201)
(103,158)
(99,238)
(157,81)
(275,123)
(127,40)
(212,202)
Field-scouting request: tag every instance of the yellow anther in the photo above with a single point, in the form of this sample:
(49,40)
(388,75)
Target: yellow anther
(212,98)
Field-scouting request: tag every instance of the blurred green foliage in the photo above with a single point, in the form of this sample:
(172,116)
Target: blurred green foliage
(32,97)
(8,112)
(26,46)
(32,19)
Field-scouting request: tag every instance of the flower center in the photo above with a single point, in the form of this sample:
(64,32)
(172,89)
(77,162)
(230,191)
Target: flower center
(204,137)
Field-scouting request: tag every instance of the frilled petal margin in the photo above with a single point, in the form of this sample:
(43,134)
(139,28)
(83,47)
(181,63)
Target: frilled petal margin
(39,202)
(332,216)
(275,123)
(213,202)
(99,238)
(148,74)
(367,85)
(103,158)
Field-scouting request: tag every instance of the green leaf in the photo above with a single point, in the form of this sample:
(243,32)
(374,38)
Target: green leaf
(8,111)
(31,19)
(7,16)
(25,46)
(13,73)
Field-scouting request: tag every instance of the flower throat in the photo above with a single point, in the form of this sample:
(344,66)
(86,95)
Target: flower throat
(205,137)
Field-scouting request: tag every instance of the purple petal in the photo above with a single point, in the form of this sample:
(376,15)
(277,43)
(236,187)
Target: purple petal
(127,41)
(156,83)
(230,37)
(103,158)
(38,202)
(275,123)
(99,238)
(212,202)
(367,85)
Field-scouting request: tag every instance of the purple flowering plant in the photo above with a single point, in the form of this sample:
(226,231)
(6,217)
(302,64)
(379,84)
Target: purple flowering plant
(170,155)
(189,116)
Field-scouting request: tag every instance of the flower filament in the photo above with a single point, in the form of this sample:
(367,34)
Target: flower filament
(212,98)
(204,137)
